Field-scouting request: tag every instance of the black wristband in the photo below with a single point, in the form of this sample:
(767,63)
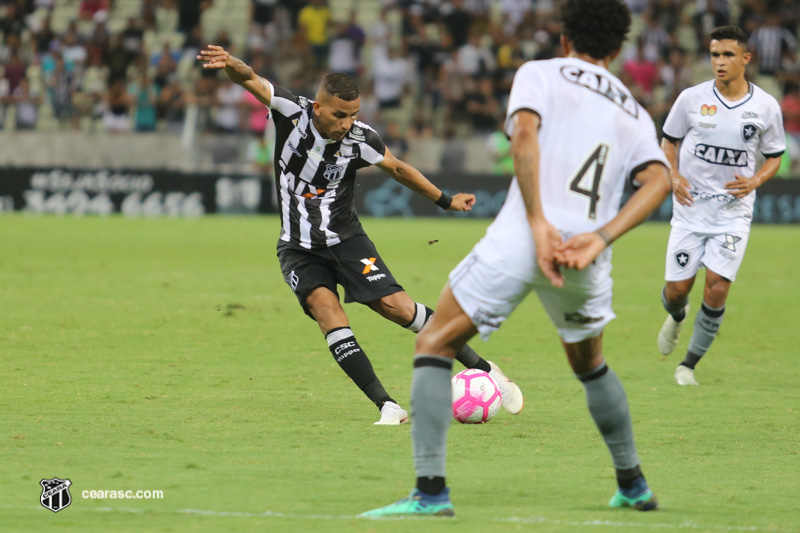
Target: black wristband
(604,235)
(444,201)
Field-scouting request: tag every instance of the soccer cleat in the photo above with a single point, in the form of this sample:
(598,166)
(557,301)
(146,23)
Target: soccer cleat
(392,415)
(417,504)
(670,332)
(513,402)
(646,501)
(685,376)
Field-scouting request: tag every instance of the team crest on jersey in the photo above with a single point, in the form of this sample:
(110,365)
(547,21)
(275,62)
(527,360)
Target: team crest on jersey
(719,155)
(333,172)
(730,242)
(748,131)
(601,85)
(302,101)
(682,258)
(709,110)
(357,134)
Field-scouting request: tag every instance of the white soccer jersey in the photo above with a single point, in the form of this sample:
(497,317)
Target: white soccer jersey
(720,139)
(593,137)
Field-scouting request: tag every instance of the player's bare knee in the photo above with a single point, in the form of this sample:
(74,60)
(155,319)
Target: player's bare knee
(677,291)
(716,293)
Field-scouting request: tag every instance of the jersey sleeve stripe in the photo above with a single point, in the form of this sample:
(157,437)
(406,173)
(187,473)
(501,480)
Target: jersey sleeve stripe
(670,137)
(509,131)
(638,168)
(775,154)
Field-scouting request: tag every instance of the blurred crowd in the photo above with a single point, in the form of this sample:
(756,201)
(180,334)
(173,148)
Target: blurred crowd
(427,68)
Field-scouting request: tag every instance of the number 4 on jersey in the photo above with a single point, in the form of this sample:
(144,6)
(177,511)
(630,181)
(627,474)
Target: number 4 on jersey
(597,161)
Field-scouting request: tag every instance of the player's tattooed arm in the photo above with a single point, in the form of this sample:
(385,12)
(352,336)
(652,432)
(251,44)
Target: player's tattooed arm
(525,153)
(238,71)
(410,177)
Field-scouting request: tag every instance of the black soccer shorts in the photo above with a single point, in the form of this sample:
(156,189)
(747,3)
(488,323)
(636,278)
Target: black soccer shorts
(354,264)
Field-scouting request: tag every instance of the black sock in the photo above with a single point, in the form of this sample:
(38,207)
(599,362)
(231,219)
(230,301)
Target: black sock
(626,477)
(430,485)
(466,355)
(691,360)
(352,359)
(677,309)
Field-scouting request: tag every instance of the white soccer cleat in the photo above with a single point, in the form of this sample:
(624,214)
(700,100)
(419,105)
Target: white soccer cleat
(513,402)
(392,415)
(670,332)
(685,376)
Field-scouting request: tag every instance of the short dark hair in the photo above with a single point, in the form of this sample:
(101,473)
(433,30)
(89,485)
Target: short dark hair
(731,33)
(595,27)
(341,86)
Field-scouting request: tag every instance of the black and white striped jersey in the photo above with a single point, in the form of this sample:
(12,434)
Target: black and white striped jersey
(316,176)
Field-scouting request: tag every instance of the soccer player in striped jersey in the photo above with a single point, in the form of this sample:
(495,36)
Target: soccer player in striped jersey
(319,146)
(577,135)
(713,135)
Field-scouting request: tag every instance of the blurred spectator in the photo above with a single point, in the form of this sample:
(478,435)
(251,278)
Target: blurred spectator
(262,12)
(171,106)
(116,118)
(189,12)
(420,126)
(5,95)
(313,21)
(454,153)
(790,106)
(15,71)
(89,100)
(228,100)
(259,155)
(167,16)
(457,21)
(27,103)
(144,95)
(14,21)
(513,13)
(395,141)
(641,70)
(345,47)
(117,58)
(392,77)
(61,89)
(257,113)
(474,59)
(770,43)
(482,107)
(89,8)
(133,36)
(499,147)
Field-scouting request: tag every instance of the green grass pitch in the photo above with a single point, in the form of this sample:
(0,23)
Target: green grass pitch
(169,355)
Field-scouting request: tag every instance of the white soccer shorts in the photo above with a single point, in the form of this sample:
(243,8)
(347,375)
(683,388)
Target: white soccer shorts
(687,250)
(488,289)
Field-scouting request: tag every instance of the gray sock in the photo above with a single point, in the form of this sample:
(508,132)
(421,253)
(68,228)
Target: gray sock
(675,309)
(431,412)
(706,326)
(608,405)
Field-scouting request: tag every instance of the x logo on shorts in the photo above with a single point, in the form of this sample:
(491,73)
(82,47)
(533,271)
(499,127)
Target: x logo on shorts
(369,265)
(730,242)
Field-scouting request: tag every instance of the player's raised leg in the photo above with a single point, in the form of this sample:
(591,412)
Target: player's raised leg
(326,309)
(608,405)
(706,326)
(431,412)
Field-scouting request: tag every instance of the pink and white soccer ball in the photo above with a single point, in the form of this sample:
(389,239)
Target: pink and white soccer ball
(476,397)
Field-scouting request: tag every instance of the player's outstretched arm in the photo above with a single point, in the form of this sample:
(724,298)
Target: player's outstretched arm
(412,178)
(579,251)
(742,186)
(680,185)
(238,71)
(525,153)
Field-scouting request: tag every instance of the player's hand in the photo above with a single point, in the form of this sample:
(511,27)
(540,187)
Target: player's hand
(680,187)
(741,186)
(579,251)
(215,57)
(547,240)
(462,202)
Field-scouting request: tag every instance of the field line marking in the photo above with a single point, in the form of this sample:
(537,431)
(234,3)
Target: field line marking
(687,525)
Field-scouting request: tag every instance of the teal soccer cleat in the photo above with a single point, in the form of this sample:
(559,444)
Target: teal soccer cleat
(646,501)
(417,504)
